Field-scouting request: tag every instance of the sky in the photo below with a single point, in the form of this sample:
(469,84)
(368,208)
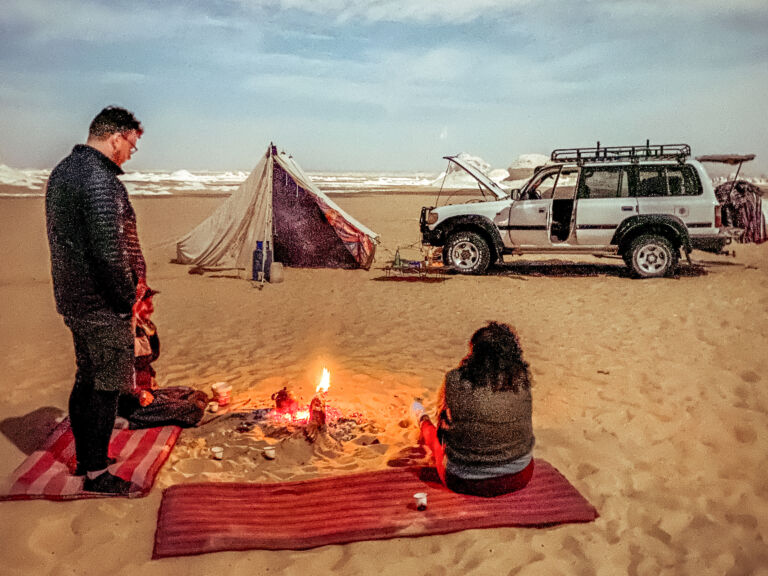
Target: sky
(382,85)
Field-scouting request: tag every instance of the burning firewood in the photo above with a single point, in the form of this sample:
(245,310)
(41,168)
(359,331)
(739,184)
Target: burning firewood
(317,408)
(317,417)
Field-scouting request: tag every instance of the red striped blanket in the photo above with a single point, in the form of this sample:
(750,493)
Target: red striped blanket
(47,473)
(200,518)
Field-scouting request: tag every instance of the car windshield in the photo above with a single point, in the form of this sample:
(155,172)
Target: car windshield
(541,185)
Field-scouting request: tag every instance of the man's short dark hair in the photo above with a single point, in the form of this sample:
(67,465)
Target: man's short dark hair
(111,120)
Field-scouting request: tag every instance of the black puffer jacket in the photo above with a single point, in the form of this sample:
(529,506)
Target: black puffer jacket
(95,257)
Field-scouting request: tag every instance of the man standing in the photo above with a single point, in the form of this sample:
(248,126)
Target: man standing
(98,271)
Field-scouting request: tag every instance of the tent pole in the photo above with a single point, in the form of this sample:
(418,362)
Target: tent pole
(732,189)
(736,177)
(268,228)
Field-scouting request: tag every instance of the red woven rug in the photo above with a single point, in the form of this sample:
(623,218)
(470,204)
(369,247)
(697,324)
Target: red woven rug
(47,473)
(201,518)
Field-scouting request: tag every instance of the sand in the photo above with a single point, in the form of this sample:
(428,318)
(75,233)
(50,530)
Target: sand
(649,396)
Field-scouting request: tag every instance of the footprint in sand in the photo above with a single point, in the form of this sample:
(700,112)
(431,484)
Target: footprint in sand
(744,433)
(585,470)
(746,521)
(750,377)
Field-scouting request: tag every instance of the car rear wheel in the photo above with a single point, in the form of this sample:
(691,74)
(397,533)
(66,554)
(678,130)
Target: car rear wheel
(467,253)
(652,256)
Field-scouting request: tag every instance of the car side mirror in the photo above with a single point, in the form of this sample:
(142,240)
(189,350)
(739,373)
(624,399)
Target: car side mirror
(515,193)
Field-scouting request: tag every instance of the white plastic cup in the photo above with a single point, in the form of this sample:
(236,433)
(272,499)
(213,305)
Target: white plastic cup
(220,387)
(217,452)
(420,498)
(269,452)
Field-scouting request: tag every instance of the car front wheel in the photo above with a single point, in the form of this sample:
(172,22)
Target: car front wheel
(652,256)
(467,253)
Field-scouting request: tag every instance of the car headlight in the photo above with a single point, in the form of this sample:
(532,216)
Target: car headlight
(431,217)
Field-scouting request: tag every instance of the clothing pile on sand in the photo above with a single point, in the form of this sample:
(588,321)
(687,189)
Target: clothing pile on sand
(741,204)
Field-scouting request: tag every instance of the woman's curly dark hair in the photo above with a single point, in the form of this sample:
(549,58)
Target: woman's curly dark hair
(496,360)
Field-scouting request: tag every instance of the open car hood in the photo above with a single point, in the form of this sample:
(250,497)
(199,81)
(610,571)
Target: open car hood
(481,177)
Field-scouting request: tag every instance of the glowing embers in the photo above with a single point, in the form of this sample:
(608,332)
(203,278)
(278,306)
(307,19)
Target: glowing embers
(301,416)
(315,417)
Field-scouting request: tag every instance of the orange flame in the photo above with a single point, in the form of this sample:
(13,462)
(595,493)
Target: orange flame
(325,382)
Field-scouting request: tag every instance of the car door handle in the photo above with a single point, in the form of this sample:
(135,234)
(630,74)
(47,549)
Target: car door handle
(628,208)
(542,210)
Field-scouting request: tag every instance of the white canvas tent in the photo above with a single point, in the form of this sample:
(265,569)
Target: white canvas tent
(279,204)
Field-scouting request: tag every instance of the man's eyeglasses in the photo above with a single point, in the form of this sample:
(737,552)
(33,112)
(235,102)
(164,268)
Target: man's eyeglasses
(134,148)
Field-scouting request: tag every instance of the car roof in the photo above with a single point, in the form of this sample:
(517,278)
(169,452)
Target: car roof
(608,163)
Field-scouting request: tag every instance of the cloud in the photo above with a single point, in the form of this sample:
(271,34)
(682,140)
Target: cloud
(298,87)
(101,22)
(121,78)
(401,83)
(462,12)
(456,11)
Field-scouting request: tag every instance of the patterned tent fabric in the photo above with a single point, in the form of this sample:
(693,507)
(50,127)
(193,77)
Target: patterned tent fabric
(279,204)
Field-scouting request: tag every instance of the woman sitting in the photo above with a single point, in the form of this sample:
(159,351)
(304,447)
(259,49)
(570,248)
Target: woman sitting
(484,437)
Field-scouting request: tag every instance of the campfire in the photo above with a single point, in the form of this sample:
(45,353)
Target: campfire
(314,417)
(279,426)
(288,411)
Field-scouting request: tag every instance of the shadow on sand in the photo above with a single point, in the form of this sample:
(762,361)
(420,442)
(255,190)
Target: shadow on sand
(408,456)
(411,278)
(29,432)
(566,268)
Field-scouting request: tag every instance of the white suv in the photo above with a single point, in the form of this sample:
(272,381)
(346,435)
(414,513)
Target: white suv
(645,203)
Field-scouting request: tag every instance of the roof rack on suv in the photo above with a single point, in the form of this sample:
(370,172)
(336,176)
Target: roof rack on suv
(617,153)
